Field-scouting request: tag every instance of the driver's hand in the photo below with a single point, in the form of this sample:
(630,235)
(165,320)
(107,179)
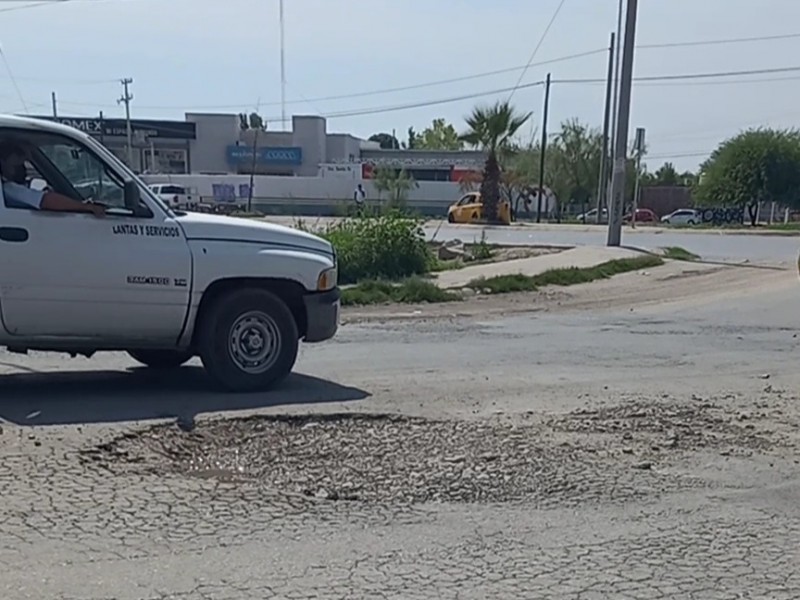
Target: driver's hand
(98,210)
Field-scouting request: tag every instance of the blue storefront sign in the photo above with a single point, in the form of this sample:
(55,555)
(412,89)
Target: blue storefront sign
(278,156)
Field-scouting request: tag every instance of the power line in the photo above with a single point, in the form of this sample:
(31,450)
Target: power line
(679,155)
(741,40)
(404,88)
(33,5)
(694,78)
(13,80)
(690,76)
(536,49)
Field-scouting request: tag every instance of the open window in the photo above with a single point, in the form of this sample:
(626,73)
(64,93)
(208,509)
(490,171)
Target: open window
(468,199)
(60,164)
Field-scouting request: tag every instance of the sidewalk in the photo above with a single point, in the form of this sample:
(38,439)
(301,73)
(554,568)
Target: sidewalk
(581,257)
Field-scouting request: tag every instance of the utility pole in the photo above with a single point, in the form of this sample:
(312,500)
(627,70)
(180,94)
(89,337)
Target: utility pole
(543,149)
(614,108)
(602,184)
(639,149)
(126,100)
(283,69)
(102,129)
(621,137)
(55,104)
(253,169)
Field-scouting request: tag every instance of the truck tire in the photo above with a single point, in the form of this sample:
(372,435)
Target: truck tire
(161,359)
(248,340)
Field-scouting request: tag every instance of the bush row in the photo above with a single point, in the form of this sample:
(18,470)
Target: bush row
(391,245)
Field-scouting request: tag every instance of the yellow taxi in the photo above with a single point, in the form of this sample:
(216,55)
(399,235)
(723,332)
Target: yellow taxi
(469,209)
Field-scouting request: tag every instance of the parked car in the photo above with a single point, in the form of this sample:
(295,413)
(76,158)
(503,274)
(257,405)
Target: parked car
(643,215)
(682,216)
(469,209)
(174,196)
(591,216)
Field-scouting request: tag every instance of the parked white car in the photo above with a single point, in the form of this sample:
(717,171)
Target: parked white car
(591,216)
(682,216)
(161,284)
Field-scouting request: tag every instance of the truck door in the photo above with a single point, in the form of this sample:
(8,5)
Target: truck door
(70,275)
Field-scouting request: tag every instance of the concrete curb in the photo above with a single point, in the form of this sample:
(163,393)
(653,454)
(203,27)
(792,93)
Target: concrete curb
(710,262)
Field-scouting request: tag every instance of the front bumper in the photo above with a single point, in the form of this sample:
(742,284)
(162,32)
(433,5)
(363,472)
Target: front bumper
(322,314)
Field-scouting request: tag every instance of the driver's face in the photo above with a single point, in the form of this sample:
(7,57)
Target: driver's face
(13,167)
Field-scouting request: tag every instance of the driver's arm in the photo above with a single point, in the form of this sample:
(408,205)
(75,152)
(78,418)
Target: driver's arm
(59,202)
(50,201)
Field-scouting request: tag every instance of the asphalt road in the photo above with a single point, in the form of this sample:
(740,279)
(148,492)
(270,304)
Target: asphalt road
(691,494)
(711,246)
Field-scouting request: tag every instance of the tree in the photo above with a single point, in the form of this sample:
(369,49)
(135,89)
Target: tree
(441,135)
(412,139)
(251,121)
(666,174)
(386,140)
(758,165)
(396,183)
(492,129)
(576,152)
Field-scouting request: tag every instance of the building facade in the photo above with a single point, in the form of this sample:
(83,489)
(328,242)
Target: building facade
(156,146)
(212,143)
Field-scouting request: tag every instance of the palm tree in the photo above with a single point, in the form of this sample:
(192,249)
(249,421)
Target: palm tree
(492,128)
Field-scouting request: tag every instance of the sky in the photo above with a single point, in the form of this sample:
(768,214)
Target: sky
(224,56)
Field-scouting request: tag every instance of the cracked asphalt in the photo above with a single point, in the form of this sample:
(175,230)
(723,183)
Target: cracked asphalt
(630,452)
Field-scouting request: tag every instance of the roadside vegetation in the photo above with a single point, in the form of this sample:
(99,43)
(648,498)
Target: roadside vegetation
(417,291)
(678,253)
(504,284)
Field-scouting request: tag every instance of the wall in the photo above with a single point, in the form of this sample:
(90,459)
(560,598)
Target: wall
(664,199)
(343,147)
(309,134)
(310,196)
(424,158)
(214,133)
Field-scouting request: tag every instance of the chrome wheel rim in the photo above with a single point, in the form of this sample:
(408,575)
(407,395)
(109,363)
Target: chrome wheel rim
(254,342)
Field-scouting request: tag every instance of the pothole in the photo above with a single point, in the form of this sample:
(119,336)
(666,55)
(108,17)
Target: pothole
(681,426)
(383,458)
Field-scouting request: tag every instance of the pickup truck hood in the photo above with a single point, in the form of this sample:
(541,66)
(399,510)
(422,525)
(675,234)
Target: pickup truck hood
(201,226)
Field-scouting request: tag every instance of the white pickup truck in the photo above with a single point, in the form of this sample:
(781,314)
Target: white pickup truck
(161,284)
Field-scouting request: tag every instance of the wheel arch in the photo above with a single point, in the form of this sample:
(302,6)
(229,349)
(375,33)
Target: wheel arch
(291,292)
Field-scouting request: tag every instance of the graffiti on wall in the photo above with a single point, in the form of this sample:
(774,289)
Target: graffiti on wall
(227,192)
(722,216)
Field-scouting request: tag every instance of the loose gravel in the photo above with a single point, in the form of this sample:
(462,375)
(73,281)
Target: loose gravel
(615,453)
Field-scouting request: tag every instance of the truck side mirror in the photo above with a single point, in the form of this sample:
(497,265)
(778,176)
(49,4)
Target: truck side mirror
(132,197)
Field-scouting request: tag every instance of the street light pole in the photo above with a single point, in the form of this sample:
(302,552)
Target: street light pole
(621,137)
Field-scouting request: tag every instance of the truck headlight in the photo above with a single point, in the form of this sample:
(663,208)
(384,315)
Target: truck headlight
(327,279)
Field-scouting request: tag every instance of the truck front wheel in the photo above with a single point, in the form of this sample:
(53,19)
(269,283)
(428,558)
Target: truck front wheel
(161,359)
(248,340)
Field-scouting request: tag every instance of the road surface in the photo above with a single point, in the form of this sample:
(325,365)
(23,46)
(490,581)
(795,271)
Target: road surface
(710,246)
(640,451)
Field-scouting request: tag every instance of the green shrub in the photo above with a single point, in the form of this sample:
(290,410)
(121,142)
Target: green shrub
(386,246)
(410,291)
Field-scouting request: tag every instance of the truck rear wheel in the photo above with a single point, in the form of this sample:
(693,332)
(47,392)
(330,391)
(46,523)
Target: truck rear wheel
(248,340)
(161,359)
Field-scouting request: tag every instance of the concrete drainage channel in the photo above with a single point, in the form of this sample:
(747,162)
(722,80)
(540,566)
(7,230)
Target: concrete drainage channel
(608,455)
